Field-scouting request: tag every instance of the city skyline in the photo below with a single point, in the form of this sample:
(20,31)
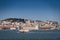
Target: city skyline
(30,9)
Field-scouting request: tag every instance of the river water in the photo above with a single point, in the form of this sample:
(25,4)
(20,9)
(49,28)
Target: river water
(39,35)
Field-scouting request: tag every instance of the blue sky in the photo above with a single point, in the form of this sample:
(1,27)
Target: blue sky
(30,9)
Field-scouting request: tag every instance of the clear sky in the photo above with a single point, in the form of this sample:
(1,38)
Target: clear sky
(30,9)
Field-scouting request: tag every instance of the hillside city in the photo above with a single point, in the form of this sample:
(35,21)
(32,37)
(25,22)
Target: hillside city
(27,24)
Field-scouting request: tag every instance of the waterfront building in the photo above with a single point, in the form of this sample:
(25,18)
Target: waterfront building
(46,26)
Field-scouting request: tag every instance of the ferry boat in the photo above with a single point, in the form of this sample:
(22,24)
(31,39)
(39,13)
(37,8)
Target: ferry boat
(12,28)
(22,30)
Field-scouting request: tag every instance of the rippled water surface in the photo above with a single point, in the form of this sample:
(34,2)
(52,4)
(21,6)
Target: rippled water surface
(33,35)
